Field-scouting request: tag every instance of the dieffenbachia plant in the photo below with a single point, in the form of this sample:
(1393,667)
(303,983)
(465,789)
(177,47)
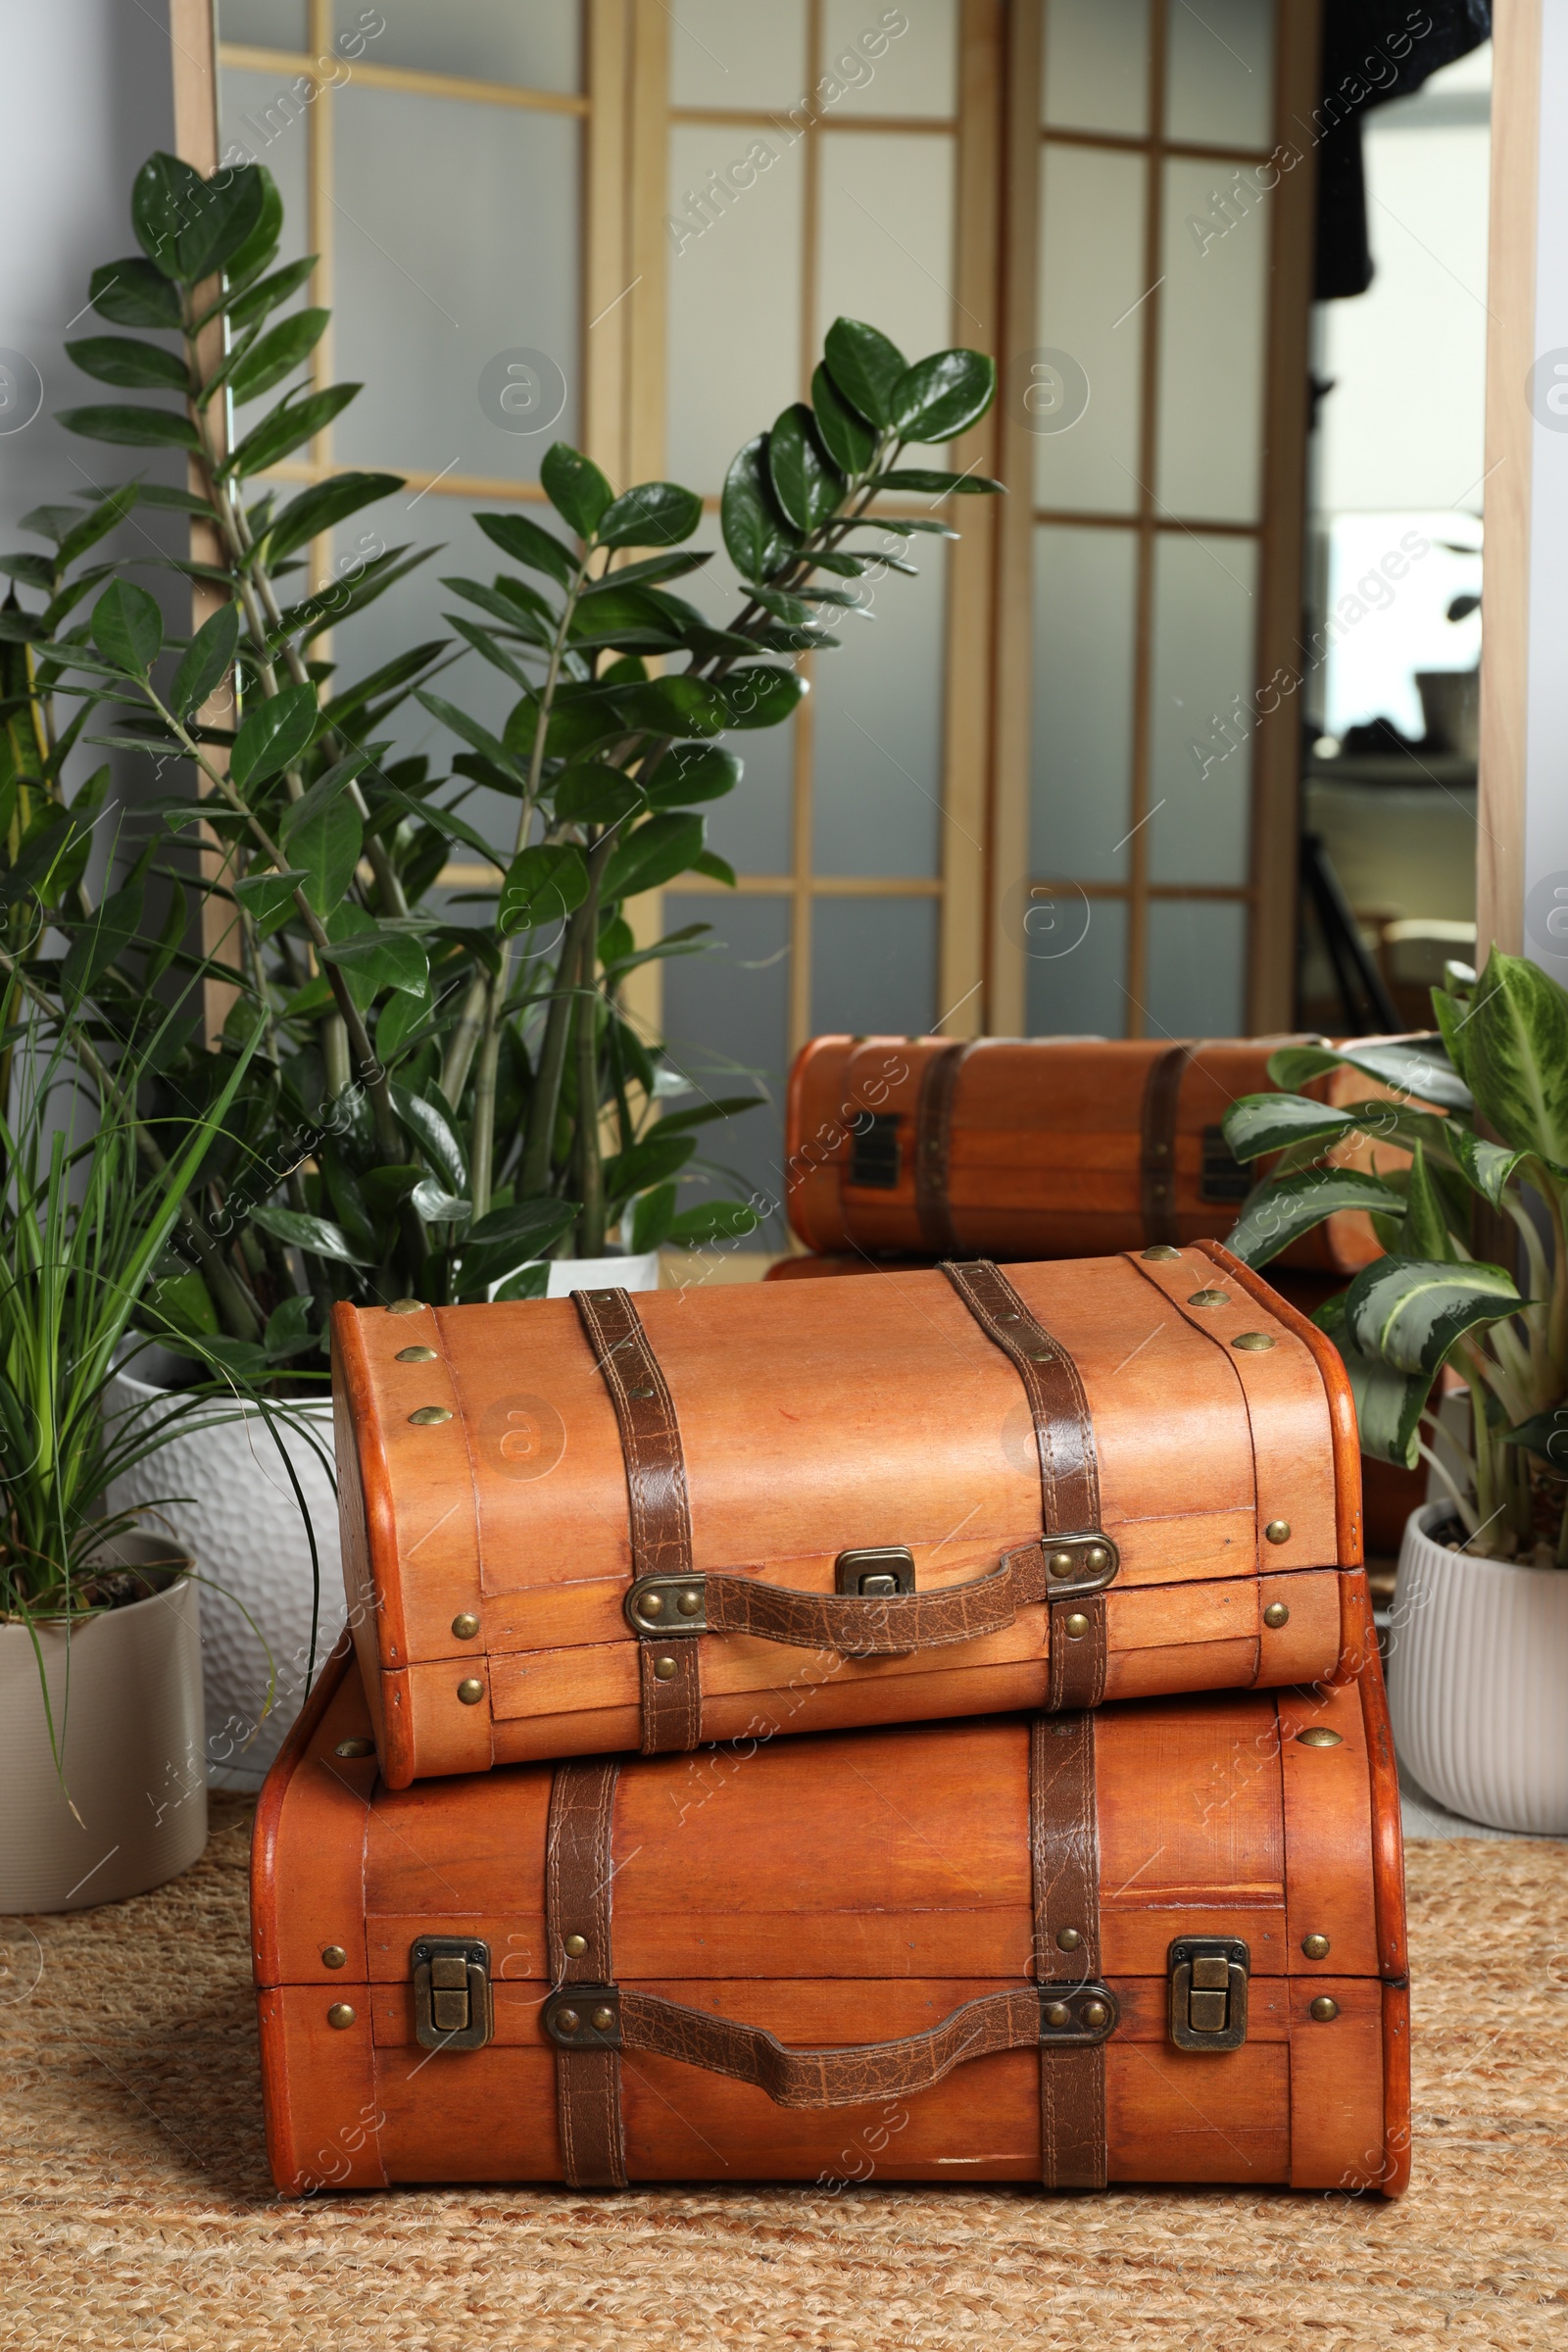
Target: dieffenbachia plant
(451,1100)
(1481,1109)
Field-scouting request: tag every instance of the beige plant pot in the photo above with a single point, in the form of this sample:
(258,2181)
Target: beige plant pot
(126,1686)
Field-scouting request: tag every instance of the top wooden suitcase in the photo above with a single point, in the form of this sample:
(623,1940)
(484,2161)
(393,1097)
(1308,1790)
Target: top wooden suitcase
(571,1526)
(1039,1147)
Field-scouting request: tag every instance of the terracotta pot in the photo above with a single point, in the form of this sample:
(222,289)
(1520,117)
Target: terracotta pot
(131,1723)
(1478,1681)
(235,1509)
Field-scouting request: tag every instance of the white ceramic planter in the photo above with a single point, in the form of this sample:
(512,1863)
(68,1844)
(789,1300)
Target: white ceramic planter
(236,1513)
(132,1749)
(568,1274)
(1478,1681)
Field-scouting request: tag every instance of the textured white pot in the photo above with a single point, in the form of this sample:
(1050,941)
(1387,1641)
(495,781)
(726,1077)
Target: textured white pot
(236,1511)
(127,1686)
(1478,1681)
(568,1274)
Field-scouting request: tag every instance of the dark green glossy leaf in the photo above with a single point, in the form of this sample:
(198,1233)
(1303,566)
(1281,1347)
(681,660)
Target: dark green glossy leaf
(653,854)
(503,1242)
(687,773)
(100,519)
(653,1217)
(438,1207)
(296,418)
(258,249)
(848,439)
(277,353)
(805,483)
(268,898)
(761,696)
(674,705)
(189,227)
(756,534)
(381,958)
(124,360)
(127,627)
(713,1221)
(653,1160)
(1425,1233)
(131,428)
(322,506)
(319,1235)
(574,487)
(206,661)
(1279,1212)
(1419,1068)
(322,794)
(272,734)
(542,887)
(100,943)
(653,514)
(1518,1056)
(594,794)
(470,732)
(251,307)
(650,569)
(526,543)
(1389,1403)
(327,848)
(1409,1312)
(1546,1434)
(865,366)
(1256,1124)
(938,485)
(942,396)
(431,1126)
(132,293)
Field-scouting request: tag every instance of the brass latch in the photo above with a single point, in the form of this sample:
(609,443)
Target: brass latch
(451,2004)
(876,1574)
(1208,1992)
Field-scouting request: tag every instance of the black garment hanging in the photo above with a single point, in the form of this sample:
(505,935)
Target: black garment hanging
(1373,50)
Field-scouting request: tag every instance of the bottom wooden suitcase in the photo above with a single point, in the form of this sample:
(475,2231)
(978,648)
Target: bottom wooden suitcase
(1163,1942)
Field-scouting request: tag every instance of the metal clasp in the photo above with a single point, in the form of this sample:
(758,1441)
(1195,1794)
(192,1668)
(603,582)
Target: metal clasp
(452,2005)
(875,1573)
(667,1604)
(1077,2016)
(1208,1992)
(583,2017)
(1084,1562)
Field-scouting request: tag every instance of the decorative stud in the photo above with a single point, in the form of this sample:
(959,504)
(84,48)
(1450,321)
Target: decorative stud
(1316,1948)
(466,1625)
(689,1603)
(1096,1557)
(639,1392)
(415,1356)
(1325,2008)
(430,1416)
(340,2017)
(1060,1563)
(1067,1939)
(406,1306)
(1276,1614)
(566,2021)
(574,1947)
(1057,2013)
(355,1747)
(1278,1530)
(1094,2014)
(652,1605)
(1077,1625)
(471,1691)
(1317,1735)
(334,1956)
(664,1670)
(1252,1342)
(1162,1253)
(1208,1298)
(603,2020)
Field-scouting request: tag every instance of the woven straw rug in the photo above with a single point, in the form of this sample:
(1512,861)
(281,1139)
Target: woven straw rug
(137,2213)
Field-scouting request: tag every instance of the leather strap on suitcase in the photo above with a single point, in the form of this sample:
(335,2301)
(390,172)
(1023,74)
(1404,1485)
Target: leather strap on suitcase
(1162,1092)
(1068,2013)
(933,1146)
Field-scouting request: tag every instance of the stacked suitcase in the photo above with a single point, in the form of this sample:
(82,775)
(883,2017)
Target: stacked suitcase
(718,1786)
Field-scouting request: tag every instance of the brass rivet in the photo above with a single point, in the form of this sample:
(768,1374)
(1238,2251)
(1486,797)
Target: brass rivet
(1276,1614)
(1325,2008)
(639,1392)
(603,2020)
(334,1956)
(1159,1150)
(577,1946)
(465,1625)
(1208,1298)
(604,1296)
(1096,1555)
(355,1747)
(1061,1563)
(689,1603)
(566,2021)
(1042,1355)
(652,1605)
(665,1670)
(340,2016)
(415,1356)
(1095,2013)
(1077,1625)
(1278,1530)
(1252,1341)
(1161,1251)
(1317,1735)
(1057,2013)
(1010,1318)
(406,1306)
(429,1416)
(1067,1939)
(1316,1948)
(471,1691)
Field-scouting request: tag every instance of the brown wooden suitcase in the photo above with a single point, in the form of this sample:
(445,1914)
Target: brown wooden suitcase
(1024,1148)
(580,1525)
(1163,1942)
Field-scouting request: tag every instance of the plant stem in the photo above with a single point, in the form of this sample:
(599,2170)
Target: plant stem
(461,1044)
(590,1163)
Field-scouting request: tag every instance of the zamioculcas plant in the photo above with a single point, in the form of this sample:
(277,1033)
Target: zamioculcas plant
(441,1104)
(1495,1139)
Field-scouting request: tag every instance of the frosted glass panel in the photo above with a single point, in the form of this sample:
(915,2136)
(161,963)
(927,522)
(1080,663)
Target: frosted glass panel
(435,283)
(735,53)
(260,120)
(1205,625)
(734,307)
(264,23)
(537,44)
(751,827)
(874,965)
(883,72)
(1084,623)
(878,743)
(1221,73)
(1213,328)
(726,1023)
(1197,968)
(887,238)
(1077,970)
(1096,65)
(1092,273)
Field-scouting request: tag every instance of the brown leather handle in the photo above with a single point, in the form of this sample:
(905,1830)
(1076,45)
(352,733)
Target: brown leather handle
(647,2023)
(869,1624)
